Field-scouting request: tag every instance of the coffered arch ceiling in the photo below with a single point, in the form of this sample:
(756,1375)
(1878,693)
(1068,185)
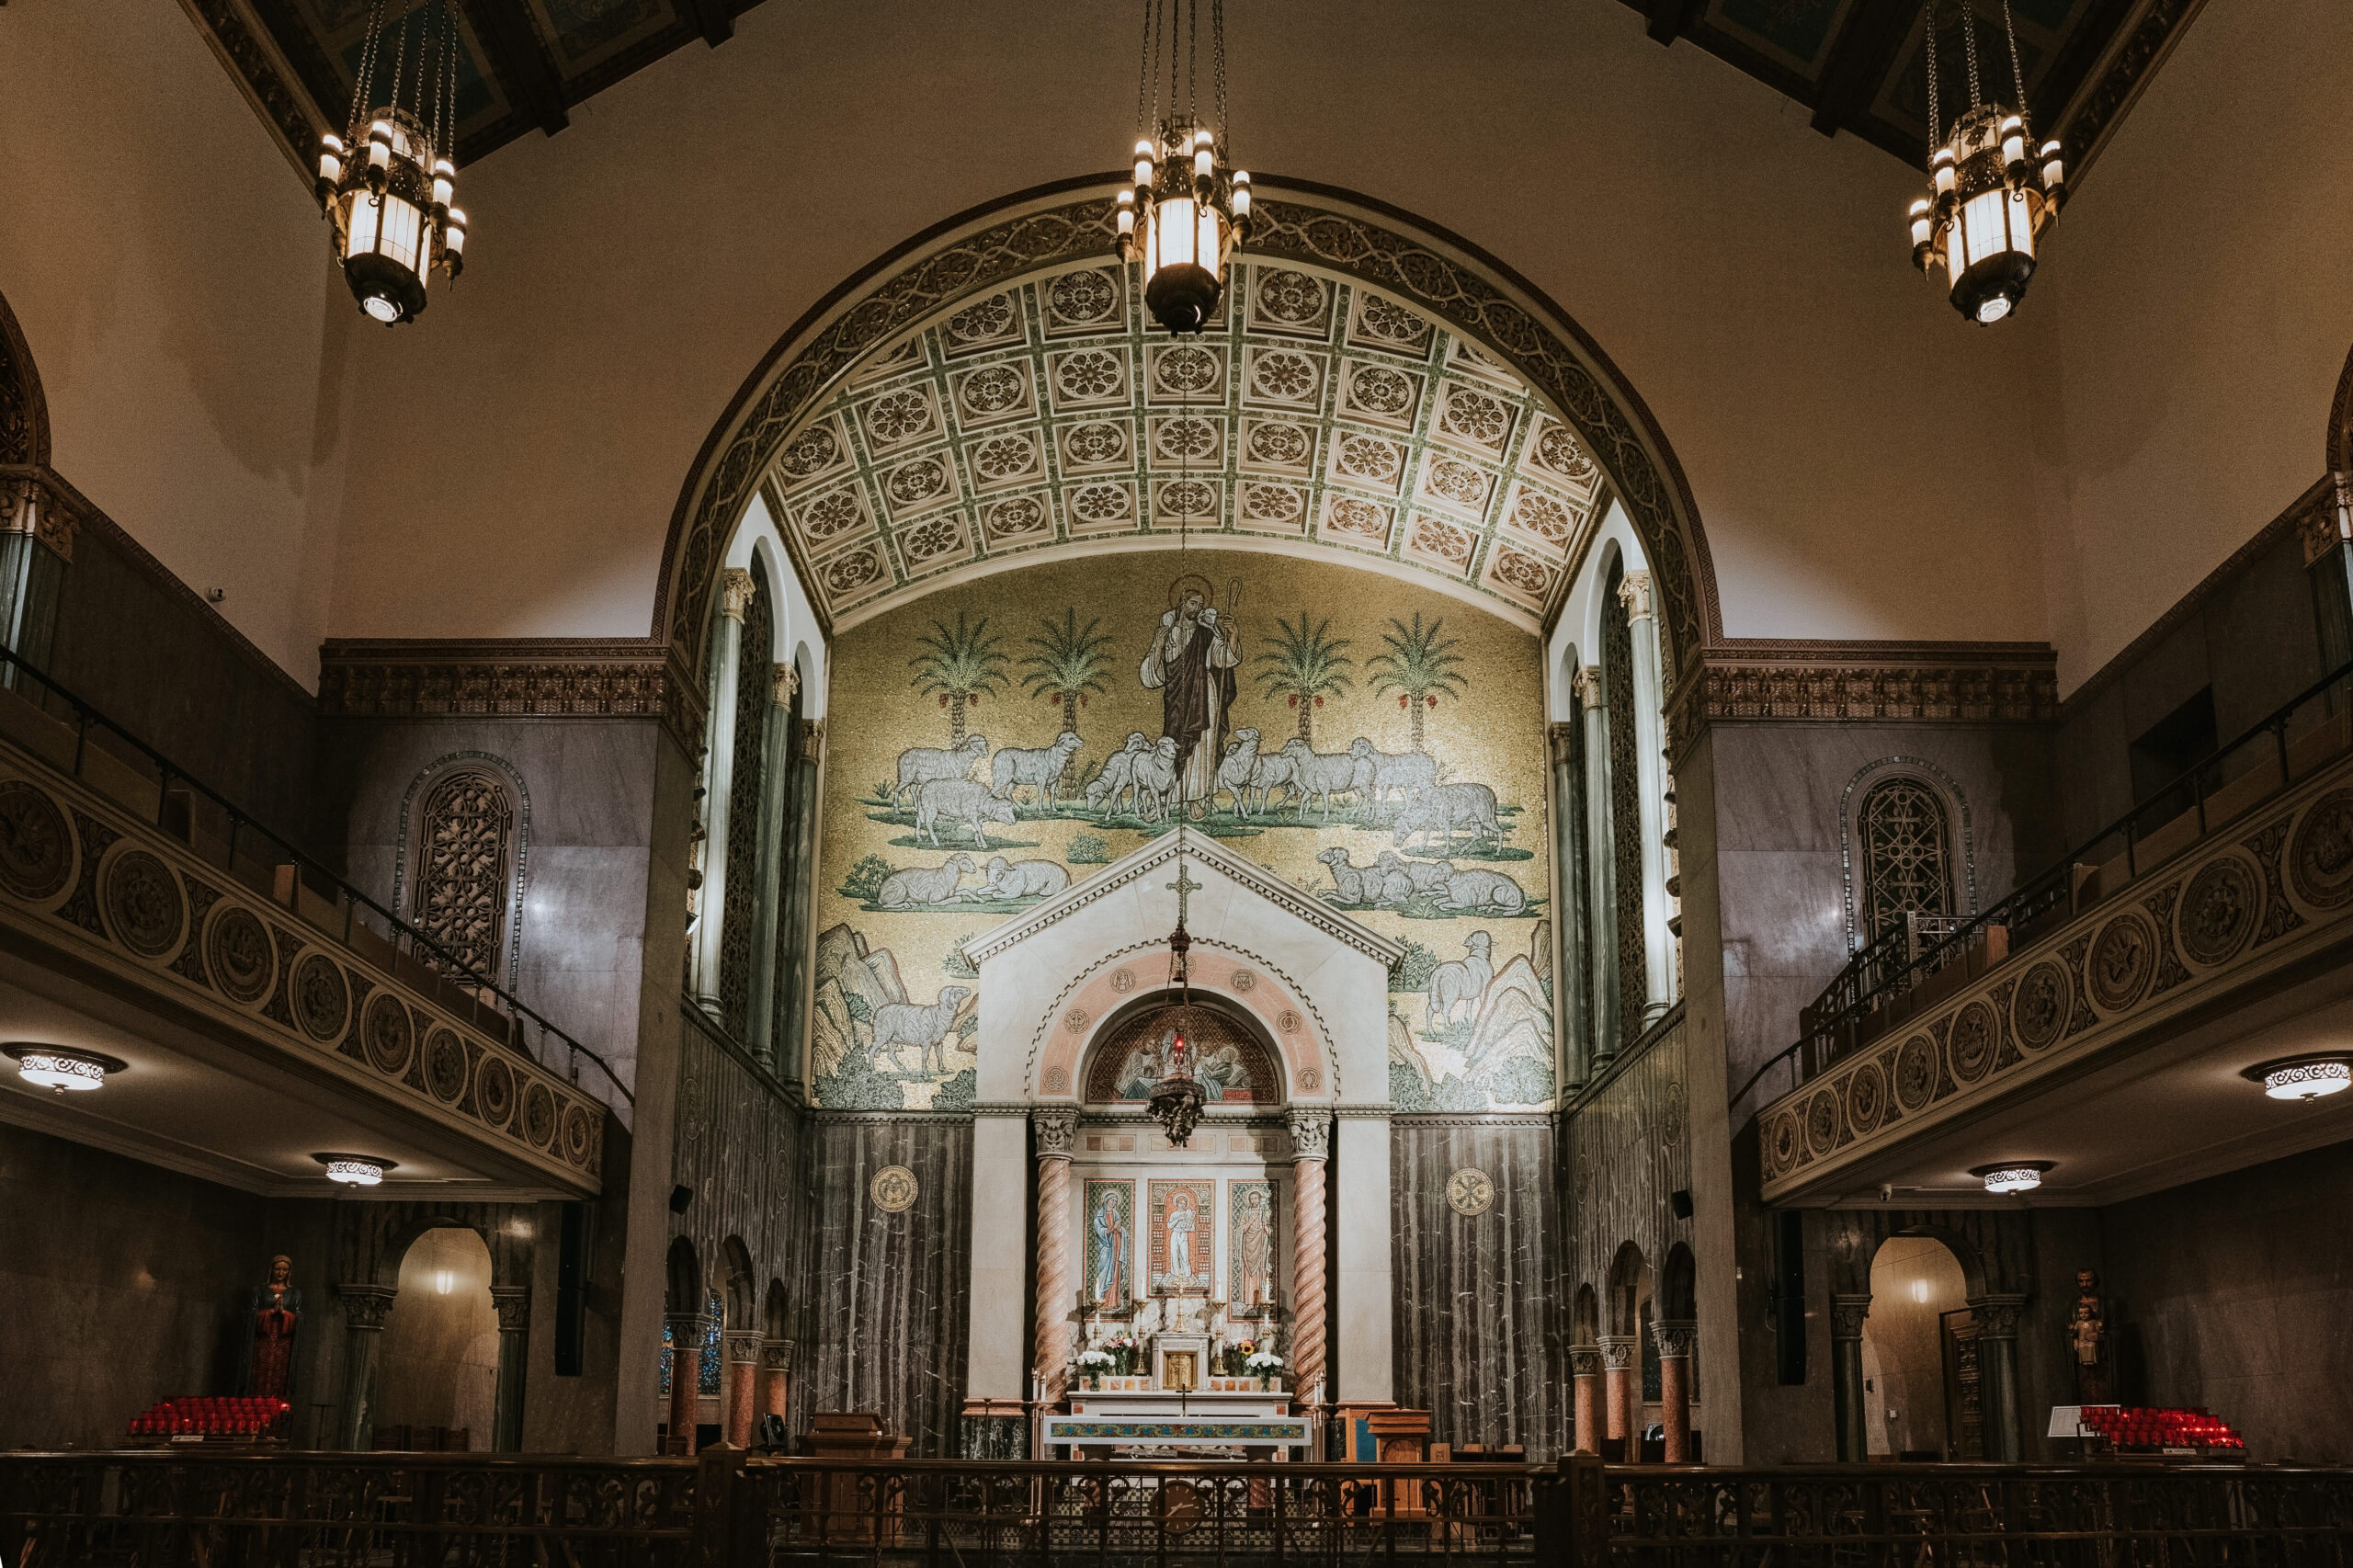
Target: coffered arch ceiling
(991,395)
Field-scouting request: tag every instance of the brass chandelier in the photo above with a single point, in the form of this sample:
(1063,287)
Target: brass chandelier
(1178,1098)
(1991,191)
(388,189)
(1187,209)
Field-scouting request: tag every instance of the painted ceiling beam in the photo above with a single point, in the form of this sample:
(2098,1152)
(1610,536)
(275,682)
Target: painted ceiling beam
(522,65)
(1859,58)
(711,18)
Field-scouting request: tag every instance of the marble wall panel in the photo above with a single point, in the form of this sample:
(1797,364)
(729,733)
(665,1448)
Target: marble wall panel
(744,1152)
(1479,1316)
(1627,1150)
(889,1289)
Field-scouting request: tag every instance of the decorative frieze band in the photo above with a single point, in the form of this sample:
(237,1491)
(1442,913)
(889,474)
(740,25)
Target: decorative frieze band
(533,678)
(1875,682)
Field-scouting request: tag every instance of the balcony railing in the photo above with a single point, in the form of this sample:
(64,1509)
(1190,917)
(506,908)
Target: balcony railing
(1911,966)
(74,736)
(726,1508)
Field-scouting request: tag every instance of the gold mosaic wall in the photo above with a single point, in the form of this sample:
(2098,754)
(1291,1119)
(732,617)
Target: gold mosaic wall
(1376,744)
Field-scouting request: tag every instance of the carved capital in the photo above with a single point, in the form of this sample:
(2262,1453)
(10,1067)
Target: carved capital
(1996,1314)
(1057,1132)
(29,505)
(366,1306)
(1634,592)
(2328,522)
(1563,740)
(1618,1351)
(742,1346)
(686,1330)
(512,1305)
(1676,1340)
(776,1355)
(1846,1315)
(787,685)
(813,741)
(735,592)
(1587,683)
(1585,1360)
(1310,1134)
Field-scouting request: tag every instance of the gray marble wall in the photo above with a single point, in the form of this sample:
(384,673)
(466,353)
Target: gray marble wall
(888,1292)
(1626,1151)
(743,1148)
(1480,1313)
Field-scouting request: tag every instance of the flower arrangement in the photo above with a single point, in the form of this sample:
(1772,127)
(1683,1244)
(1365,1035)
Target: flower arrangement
(1124,1351)
(1236,1356)
(1266,1363)
(1091,1364)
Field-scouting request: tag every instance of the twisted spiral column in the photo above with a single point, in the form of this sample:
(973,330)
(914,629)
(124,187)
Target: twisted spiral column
(1055,1130)
(1310,1134)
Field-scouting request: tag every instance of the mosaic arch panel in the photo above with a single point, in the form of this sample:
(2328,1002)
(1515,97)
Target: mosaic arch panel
(1233,1067)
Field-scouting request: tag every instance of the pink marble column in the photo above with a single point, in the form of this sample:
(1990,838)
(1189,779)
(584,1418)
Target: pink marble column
(1674,1343)
(1056,1130)
(737,1390)
(685,1357)
(1311,1143)
(1584,1374)
(776,1378)
(1622,1397)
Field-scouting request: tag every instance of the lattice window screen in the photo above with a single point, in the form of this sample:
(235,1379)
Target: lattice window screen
(466,838)
(1625,811)
(755,686)
(1905,848)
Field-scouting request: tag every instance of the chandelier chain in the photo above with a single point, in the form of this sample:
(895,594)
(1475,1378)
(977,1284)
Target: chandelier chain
(2018,77)
(361,88)
(1969,46)
(1928,12)
(1217,45)
(1148,70)
(1193,63)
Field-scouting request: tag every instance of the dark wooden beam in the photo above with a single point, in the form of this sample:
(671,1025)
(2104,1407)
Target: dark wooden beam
(1669,17)
(532,86)
(710,18)
(1859,62)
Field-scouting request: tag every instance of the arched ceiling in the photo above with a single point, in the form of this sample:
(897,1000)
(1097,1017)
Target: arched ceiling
(1315,414)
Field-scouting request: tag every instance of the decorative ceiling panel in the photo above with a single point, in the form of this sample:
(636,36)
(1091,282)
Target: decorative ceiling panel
(1045,417)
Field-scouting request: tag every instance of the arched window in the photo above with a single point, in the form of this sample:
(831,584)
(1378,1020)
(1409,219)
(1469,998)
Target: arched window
(739,916)
(466,867)
(1625,808)
(1904,841)
(707,1360)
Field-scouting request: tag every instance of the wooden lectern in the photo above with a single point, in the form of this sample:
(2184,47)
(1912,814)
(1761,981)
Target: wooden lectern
(855,1505)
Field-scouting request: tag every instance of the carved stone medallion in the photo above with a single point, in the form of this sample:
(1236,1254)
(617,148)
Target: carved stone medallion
(2320,857)
(1970,1047)
(894,1189)
(539,1115)
(1287,1021)
(2219,910)
(1916,1072)
(445,1066)
(388,1033)
(2123,958)
(240,954)
(1075,1020)
(578,1133)
(1866,1098)
(1057,1081)
(1468,1191)
(144,903)
(1244,979)
(495,1091)
(1122,981)
(1821,1123)
(2039,1011)
(1782,1143)
(321,999)
(36,846)
(1310,1080)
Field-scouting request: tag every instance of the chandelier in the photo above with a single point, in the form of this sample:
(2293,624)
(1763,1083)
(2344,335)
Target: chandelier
(355,1170)
(60,1069)
(1177,1099)
(387,188)
(1988,201)
(1187,210)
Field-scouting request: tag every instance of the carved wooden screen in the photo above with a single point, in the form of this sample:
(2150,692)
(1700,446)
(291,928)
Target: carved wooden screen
(1625,810)
(792,799)
(1904,844)
(755,694)
(465,867)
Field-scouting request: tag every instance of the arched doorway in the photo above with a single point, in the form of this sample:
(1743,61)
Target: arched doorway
(1919,1355)
(1629,1360)
(439,1363)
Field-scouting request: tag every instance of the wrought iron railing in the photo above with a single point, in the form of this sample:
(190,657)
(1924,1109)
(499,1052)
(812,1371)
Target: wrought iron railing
(1889,975)
(509,1511)
(101,754)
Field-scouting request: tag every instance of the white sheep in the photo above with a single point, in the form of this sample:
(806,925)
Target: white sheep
(1234,769)
(1488,892)
(1039,769)
(1112,780)
(1153,779)
(1424,876)
(1347,881)
(1440,807)
(1463,980)
(917,886)
(918,766)
(906,1023)
(1325,773)
(1022,878)
(1271,771)
(967,800)
(1408,773)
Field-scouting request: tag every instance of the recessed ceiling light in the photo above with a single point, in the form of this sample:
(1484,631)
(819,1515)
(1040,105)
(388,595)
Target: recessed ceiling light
(2304,1078)
(2012,1175)
(60,1068)
(355,1170)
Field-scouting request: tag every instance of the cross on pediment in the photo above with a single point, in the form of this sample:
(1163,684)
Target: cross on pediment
(1183,885)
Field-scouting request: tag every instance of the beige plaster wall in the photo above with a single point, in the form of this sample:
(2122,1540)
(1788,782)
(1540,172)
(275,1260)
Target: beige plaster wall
(439,1365)
(2197,305)
(170,273)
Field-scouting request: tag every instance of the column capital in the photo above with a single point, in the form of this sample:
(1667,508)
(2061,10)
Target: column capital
(1057,1128)
(1634,592)
(685,1328)
(742,1346)
(776,1355)
(513,1305)
(735,592)
(1618,1351)
(1563,737)
(1586,684)
(1310,1134)
(787,685)
(1846,1315)
(1997,1313)
(1676,1340)
(366,1306)
(813,741)
(1585,1360)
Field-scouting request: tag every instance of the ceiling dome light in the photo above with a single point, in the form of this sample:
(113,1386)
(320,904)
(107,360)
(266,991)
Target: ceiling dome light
(2304,1077)
(1187,210)
(2012,1175)
(1988,200)
(387,188)
(61,1069)
(355,1170)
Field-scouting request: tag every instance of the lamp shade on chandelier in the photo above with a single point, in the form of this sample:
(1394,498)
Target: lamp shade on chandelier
(1186,208)
(1991,190)
(388,183)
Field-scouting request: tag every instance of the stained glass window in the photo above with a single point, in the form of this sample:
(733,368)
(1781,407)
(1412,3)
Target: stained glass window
(706,1366)
(1904,847)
